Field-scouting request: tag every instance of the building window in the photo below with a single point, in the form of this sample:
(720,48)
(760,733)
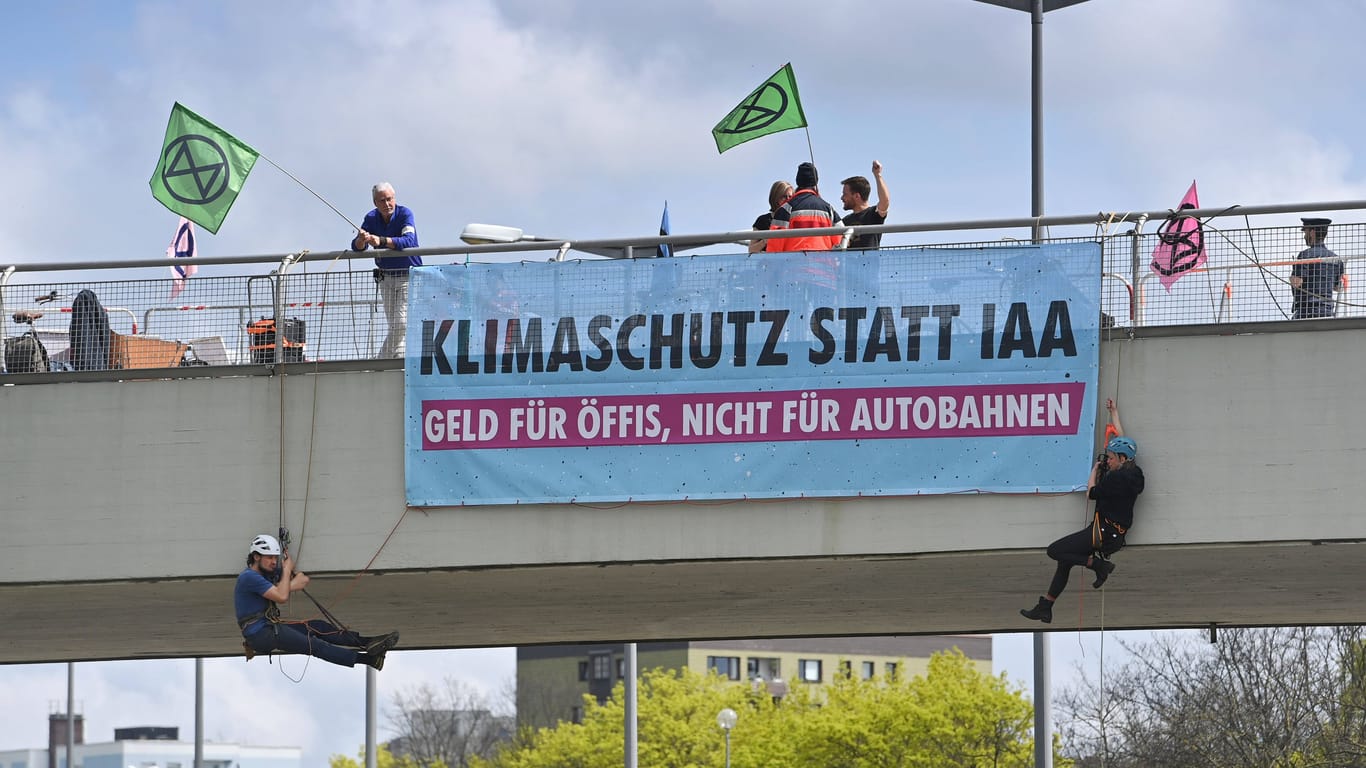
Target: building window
(576,715)
(602,667)
(868,670)
(810,670)
(725,666)
(583,670)
(757,668)
(892,667)
(621,668)
(846,669)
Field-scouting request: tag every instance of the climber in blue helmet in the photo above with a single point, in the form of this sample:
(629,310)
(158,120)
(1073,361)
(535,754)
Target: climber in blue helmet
(1114,486)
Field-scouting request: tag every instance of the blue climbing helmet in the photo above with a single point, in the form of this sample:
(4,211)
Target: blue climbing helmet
(1122,446)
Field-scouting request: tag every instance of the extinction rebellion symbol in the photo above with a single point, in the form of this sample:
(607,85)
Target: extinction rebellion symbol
(195,169)
(753,116)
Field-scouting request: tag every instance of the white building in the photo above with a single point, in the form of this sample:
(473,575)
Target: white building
(132,748)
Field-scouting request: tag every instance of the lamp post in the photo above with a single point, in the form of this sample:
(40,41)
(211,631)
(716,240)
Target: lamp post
(726,719)
(1036,10)
(1043,706)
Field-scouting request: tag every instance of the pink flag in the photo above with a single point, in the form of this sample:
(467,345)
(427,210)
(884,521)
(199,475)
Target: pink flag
(182,246)
(1182,242)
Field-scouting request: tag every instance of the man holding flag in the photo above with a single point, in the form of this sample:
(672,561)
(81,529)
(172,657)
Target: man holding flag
(390,226)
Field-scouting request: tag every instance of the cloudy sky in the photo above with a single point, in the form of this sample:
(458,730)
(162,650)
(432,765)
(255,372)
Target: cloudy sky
(581,118)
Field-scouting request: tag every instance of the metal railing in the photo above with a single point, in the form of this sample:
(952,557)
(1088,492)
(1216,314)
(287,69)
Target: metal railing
(336,315)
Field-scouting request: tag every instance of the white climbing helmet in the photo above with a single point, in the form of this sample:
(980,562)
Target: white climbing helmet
(265,544)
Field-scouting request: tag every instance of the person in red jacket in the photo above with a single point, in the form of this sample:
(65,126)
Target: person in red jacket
(805,210)
(816,277)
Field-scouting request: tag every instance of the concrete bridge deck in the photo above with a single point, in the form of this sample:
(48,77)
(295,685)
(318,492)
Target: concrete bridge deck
(126,507)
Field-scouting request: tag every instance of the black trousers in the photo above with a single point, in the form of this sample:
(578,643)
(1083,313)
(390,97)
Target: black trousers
(1075,549)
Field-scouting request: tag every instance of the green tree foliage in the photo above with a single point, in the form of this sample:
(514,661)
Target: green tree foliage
(953,716)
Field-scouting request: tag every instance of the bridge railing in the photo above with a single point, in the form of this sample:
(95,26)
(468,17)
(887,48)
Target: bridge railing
(327,309)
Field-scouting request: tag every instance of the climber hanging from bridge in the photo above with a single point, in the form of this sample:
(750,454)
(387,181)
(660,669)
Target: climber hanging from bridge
(1114,485)
(265,585)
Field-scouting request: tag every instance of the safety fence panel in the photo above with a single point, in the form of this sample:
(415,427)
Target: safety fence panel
(1211,275)
(118,325)
(762,376)
(1247,275)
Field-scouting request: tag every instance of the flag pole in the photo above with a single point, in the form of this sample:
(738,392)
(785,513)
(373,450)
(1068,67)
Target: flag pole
(809,150)
(310,190)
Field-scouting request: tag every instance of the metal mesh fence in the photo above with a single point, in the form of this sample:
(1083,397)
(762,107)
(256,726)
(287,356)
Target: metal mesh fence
(338,315)
(231,320)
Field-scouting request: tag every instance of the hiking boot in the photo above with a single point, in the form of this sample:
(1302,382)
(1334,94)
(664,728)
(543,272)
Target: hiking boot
(380,645)
(375,660)
(1041,612)
(1103,569)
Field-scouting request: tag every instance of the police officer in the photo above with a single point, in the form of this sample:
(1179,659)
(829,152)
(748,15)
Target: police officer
(1316,274)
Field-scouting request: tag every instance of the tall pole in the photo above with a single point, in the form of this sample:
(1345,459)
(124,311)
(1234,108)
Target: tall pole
(70,715)
(631,707)
(1043,699)
(370,757)
(1036,121)
(1043,704)
(199,712)
(1043,716)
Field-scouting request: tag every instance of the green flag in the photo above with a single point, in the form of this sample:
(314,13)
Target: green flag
(201,169)
(772,107)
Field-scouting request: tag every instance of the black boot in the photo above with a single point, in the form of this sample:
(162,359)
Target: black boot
(375,660)
(381,644)
(1103,569)
(1041,612)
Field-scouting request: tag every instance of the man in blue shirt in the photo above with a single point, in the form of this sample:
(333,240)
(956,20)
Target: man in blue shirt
(390,226)
(1317,273)
(257,599)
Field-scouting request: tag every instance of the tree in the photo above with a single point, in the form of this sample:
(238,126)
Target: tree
(953,716)
(1258,698)
(445,726)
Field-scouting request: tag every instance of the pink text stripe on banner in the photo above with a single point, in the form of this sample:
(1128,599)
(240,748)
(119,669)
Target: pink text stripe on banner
(889,413)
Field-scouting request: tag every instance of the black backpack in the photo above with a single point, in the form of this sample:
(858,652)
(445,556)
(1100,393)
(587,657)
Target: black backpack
(25,354)
(89,333)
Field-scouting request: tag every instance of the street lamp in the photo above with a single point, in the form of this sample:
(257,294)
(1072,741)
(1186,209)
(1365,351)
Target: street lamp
(1036,9)
(496,234)
(726,719)
(1043,704)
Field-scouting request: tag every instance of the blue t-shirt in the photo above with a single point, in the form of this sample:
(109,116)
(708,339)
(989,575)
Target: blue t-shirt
(401,229)
(249,598)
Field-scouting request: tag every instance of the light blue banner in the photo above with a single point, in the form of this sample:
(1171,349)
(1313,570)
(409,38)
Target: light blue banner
(894,372)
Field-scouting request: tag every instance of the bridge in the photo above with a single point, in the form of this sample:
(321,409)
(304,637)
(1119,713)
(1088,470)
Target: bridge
(130,496)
